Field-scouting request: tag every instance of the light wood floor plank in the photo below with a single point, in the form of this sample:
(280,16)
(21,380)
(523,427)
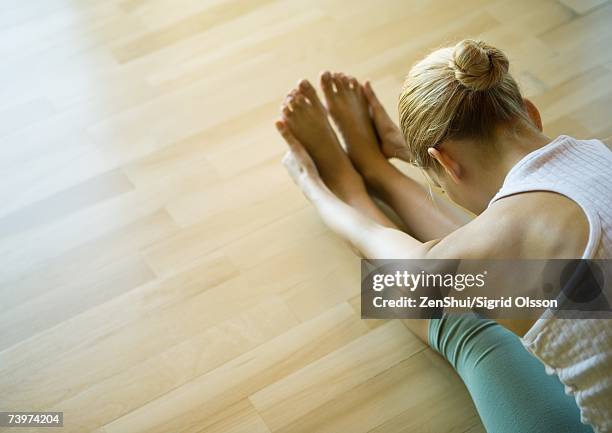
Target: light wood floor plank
(325,380)
(199,399)
(122,393)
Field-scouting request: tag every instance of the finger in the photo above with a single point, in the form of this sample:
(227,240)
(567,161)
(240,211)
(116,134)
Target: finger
(370,95)
(301,155)
(284,131)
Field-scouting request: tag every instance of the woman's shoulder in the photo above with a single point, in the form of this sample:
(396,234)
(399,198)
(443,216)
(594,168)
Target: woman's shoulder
(536,224)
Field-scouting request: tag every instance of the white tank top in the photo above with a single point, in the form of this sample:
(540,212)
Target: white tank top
(578,351)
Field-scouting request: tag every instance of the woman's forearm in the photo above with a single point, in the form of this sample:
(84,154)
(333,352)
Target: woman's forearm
(424,218)
(374,239)
(370,238)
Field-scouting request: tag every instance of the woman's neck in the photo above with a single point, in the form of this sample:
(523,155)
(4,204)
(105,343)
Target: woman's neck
(513,148)
(516,147)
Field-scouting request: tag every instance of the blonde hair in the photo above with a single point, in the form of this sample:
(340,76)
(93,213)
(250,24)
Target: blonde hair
(457,92)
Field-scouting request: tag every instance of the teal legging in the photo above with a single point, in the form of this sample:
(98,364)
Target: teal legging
(509,386)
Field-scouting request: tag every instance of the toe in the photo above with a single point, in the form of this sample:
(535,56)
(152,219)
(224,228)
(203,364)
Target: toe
(303,86)
(291,94)
(291,100)
(346,81)
(327,84)
(337,80)
(286,111)
(299,102)
(309,91)
(289,97)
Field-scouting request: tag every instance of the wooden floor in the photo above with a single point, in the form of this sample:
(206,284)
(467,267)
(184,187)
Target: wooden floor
(159,272)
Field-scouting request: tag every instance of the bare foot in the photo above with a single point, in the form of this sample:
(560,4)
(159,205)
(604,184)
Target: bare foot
(392,139)
(307,120)
(348,107)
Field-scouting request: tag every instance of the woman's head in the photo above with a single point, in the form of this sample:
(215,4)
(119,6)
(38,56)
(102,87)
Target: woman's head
(457,92)
(462,94)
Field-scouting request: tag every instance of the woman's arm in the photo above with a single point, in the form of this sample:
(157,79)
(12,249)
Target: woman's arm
(371,239)
(425,216)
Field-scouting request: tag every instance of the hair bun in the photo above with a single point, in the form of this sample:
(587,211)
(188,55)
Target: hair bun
(478,66)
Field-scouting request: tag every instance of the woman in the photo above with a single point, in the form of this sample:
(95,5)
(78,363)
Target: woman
(465,123)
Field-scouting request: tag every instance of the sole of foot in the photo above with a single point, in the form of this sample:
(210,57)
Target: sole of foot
(348,106)
(306,117)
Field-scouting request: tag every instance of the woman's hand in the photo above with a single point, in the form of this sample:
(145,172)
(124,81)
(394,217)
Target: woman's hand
(392,143)
(367,236)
